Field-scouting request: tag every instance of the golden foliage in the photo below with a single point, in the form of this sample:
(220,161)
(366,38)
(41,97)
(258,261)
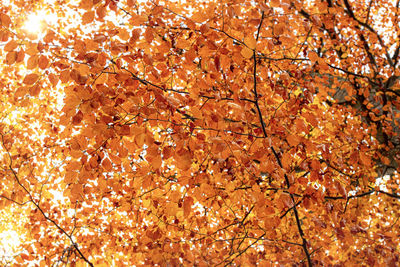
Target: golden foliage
(201,133)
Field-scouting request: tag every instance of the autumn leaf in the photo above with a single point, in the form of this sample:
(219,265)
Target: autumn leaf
(275,3)
(293,140)
(11,57)
(77,118)
(32,62)
(43,62)
(313,56)
(187,206)
(246,52)
(5,20)
(183,159)
(101,78)
(156,161)
(107,165)
(31,78)
(279,29)
(88,17)
(10,46)
(250,42)
(35,90)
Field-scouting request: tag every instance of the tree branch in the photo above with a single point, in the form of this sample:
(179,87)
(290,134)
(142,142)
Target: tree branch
(296,215)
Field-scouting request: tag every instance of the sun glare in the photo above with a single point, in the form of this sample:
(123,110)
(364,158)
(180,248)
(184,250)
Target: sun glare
(11,234)
(35,23)
(9,242)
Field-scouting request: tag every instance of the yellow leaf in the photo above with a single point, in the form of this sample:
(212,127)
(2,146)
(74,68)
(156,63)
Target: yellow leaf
(146,203)
(171,209)
(246,52)
(251,42)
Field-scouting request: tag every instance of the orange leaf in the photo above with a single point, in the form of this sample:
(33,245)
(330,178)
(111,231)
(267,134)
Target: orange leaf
(31,78)
(156,161)
(286,160)
(21,91)
(246,52)
(125,130)
(43,62)
(102,78)
(20,56)
(293,140)
(76,190)
(315,165)
(107,165)
(5,20)
(275,3)
(11,57)
(35,90)
(187,206)
(88,17)
(183,159)
(32,62)
(279,29)
(10,46)
(251,42)
(53,79)
(77,118)
(313,56)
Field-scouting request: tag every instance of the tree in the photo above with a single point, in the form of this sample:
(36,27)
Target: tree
(201,133)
